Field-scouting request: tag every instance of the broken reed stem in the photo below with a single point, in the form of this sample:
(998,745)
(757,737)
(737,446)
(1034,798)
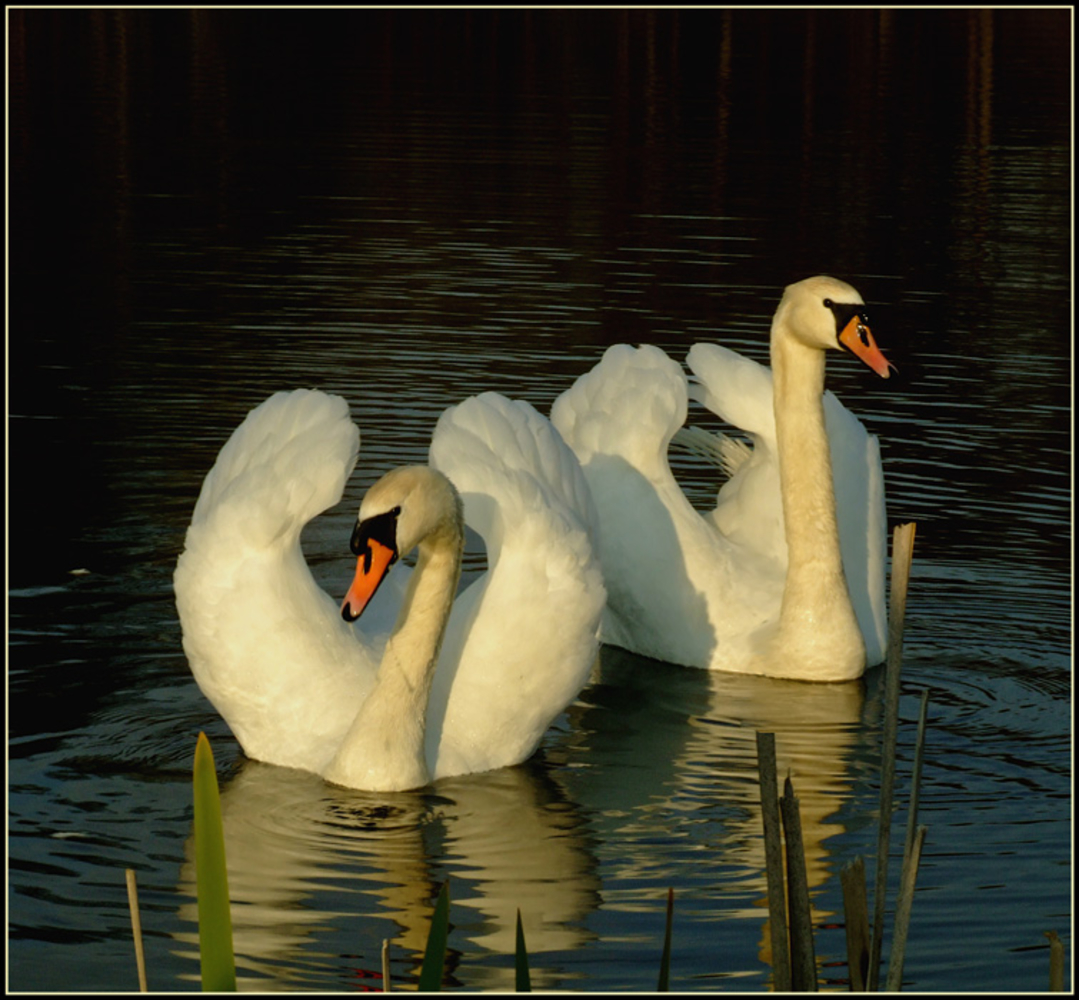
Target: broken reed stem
(385,965)
(856,920)
(136,928)
(1056,962)
(803,954)
(773,861)
(902,553)
(902,912)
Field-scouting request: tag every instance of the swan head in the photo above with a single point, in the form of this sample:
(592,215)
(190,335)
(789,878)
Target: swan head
(407,507)
(826,313)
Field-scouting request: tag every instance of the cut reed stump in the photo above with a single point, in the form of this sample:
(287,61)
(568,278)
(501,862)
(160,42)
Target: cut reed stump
(856,920)
(1056,962)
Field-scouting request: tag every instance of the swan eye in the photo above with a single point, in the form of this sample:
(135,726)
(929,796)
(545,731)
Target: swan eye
(381,528)
(828,303)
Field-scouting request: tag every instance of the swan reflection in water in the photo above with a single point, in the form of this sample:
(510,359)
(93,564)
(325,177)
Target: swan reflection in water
(661,754)
(317,872)
(653,768)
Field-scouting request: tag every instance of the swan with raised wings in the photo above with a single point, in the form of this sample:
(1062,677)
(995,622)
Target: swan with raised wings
(785,576)
(464,682)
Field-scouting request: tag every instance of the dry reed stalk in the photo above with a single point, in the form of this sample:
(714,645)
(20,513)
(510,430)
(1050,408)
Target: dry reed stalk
(773,861)
(916,775)
(902,912)
(1056,962)
(136,928)
(902,554)
(803,954)
(856,921)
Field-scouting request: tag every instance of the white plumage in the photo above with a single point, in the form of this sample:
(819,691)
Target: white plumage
(722,590)
(271,651)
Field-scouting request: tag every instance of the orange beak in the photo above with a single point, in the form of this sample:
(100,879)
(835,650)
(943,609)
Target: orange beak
(857,338)
(371,569)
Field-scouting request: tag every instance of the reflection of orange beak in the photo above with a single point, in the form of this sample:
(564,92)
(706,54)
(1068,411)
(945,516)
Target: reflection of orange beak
(371,569)
(857,338)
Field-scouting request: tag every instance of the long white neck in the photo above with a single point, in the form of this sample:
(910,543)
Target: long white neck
(817,620)
(805,461)
(384,748)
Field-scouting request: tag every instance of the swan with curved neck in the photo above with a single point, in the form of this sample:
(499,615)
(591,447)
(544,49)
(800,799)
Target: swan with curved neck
(410,507)
(785,576)
(465,681)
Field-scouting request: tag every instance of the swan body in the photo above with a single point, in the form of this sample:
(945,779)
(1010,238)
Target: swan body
(785,576)
(463,682)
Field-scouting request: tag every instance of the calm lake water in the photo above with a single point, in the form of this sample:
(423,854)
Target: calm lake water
(407,208)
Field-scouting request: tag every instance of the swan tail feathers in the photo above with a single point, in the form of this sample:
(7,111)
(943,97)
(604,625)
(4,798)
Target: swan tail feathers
(720,450)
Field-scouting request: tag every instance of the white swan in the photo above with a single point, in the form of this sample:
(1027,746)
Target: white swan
(785,577)
(464,685)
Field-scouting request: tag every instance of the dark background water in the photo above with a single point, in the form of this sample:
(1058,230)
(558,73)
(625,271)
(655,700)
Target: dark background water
(407,207)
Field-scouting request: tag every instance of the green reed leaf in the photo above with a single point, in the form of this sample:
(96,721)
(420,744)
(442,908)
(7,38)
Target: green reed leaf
(434,958)
(524,980)
(215,920)
(665,960)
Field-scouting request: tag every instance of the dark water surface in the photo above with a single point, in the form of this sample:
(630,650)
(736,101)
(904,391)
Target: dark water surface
(410,207)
